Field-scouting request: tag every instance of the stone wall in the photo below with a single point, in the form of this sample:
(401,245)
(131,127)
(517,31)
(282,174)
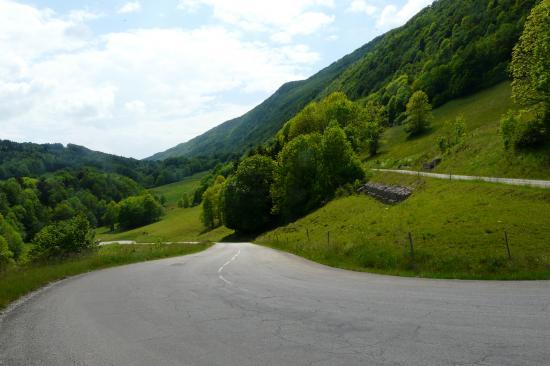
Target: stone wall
(385,193)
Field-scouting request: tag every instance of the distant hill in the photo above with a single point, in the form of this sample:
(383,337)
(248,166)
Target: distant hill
(450,49)
(33,160)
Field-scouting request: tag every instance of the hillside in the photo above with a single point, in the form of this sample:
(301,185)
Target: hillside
(450,49)
(34,160)
(483,153)
(457,229)
(179,224)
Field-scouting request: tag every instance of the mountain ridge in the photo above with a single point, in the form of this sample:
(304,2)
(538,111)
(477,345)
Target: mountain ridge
(449,49)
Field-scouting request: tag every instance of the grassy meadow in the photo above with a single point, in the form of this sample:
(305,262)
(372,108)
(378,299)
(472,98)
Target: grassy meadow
(18,281)
(174,192)
(483,153)
(178,224)
(457,230)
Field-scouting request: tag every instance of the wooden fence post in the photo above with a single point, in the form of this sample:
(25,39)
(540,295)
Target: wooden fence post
(411,244)
(507,244)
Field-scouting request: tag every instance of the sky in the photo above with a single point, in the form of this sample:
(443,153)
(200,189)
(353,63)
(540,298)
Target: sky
(133,78)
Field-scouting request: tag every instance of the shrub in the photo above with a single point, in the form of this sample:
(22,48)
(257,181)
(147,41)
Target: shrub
(6,256)
(138,211)
(63,238)
(455,137)
(523,129)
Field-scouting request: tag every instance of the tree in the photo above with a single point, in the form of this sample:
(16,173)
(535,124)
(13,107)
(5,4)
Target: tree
(12,238)
(111,215)
(6,256)
(364,132)
(339,163)
(211,209)
(419,113)
(246,199)
(138,211)
(530,70)
(531,60)
(63,211)
(63,238)
(298,186)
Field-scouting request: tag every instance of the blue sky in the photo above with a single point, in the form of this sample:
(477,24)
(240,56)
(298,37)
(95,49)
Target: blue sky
(137,77)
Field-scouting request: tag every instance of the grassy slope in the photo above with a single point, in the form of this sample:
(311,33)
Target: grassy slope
(179,224)
(175,191)
(457,228)
(483,154)
(18,281)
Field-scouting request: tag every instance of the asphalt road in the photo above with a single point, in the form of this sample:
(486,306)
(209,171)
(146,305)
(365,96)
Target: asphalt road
(449,176)
(241,304)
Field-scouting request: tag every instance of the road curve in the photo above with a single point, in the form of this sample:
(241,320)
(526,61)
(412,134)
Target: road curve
(242,304)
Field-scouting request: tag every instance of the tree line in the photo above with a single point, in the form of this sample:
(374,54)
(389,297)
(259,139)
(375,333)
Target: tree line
(312,156)
(33,209)
(34,160)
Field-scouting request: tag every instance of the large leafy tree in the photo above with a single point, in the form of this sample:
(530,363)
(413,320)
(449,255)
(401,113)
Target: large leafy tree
(531,60)
(298,187)
(340,165)
(531,83)
(419,113)
(246,198)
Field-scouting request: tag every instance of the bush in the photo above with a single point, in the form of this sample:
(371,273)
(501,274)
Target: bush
(523,129)
(6,256)
(138,211)
(455,137)
(63,238)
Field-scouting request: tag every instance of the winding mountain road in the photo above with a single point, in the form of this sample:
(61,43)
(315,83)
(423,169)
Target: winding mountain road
(242,304)
(510,181)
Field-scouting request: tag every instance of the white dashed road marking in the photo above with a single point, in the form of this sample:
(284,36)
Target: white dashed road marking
(226,264)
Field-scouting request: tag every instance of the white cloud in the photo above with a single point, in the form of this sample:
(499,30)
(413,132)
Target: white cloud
(283,19)
(130,7)
(392,16)
(135,92)
(360,6)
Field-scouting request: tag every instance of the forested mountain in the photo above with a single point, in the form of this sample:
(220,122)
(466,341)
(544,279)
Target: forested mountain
(34,160)
(449,49)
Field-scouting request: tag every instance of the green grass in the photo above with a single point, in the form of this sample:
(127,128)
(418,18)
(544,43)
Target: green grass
(457,227)
(19,281)
(178,224)
(175,191)
(483,153)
